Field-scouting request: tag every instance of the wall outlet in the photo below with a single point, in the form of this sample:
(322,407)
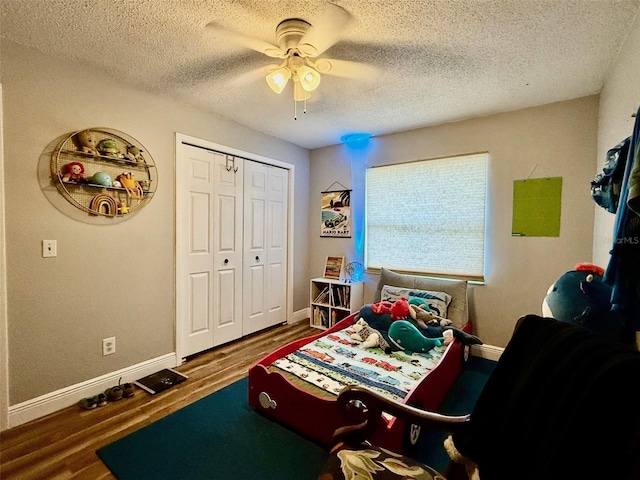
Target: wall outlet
(49,248)
(108,346)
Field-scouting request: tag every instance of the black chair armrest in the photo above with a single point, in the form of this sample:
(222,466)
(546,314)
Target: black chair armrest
(363,408)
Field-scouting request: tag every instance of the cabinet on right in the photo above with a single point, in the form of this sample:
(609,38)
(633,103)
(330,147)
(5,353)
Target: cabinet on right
(333,300)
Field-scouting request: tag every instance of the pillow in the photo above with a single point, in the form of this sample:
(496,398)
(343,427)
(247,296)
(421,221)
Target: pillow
(438,301)
(458,311)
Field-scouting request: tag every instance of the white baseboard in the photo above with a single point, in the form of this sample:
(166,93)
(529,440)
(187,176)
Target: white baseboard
(52,402)
(300,315)
(489,352)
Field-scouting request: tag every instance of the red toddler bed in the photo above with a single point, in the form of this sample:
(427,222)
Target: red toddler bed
(311,409)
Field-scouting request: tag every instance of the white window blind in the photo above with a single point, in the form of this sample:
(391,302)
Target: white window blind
(428,216)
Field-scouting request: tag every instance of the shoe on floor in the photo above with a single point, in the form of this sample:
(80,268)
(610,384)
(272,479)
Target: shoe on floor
(113,394)
(88,403)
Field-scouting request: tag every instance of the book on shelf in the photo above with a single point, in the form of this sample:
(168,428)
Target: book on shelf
(324,319)
(322,296)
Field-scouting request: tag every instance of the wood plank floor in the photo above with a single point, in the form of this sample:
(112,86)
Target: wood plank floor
(63,445)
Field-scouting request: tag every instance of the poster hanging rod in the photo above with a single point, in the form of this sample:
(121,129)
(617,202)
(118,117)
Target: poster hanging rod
(328,190)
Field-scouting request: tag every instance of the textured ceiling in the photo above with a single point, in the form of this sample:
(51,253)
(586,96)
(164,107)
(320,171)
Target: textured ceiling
(439,60)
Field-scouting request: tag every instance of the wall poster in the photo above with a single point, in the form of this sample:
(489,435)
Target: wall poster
(336,214)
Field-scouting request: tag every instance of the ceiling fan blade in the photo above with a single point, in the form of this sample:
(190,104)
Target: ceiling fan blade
(248,41)
(253,75)
(347,69)
(325,31)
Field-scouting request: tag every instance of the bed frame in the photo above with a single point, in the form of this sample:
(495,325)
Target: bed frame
(316,418)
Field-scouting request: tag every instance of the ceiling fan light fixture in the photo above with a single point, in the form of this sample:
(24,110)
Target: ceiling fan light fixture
(309,78)
(299,93)
(278,79)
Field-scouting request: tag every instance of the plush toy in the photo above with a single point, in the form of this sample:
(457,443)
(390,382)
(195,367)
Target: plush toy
(381,307)
(109,148)
(101,178)
(400,309)
(581,297)
(86,142)
(381,322)
(405,336)
(369,337)
(134,154)
(423,315)
(73,172)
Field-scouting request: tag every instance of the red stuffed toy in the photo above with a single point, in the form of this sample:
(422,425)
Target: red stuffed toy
(398,310)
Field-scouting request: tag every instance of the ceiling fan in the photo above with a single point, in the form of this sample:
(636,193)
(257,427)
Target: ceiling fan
(299,46)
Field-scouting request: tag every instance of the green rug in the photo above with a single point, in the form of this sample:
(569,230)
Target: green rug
(218,437)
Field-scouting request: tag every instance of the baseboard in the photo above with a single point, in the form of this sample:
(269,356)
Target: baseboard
(300,315)
(52,402)
(489,352)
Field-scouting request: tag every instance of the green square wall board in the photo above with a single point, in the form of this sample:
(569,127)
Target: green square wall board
(536,207)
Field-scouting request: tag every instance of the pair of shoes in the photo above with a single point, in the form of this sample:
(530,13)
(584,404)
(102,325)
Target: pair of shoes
(90,403)
(121,390)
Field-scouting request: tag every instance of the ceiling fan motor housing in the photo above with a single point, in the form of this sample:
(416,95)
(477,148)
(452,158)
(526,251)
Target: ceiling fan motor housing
(290,31)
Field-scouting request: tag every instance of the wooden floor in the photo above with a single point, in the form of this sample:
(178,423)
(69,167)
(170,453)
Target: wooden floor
(63,445)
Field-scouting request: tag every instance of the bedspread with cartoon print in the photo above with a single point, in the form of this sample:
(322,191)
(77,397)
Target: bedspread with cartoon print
(335,360)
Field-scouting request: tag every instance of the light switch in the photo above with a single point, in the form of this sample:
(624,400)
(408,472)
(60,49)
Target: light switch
(49,248)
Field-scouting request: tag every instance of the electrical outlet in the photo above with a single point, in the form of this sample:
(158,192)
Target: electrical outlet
(108,346)
(49,248)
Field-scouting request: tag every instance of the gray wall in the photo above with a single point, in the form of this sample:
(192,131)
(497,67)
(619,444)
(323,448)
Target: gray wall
(558,140)
(107,280)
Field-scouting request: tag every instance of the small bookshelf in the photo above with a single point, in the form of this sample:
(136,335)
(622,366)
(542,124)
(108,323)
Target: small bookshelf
(332,300)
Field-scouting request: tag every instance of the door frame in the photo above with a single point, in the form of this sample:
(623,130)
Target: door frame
(180,238)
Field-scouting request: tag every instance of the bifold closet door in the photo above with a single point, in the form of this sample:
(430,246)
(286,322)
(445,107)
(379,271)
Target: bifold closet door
(209,223)
(265,246)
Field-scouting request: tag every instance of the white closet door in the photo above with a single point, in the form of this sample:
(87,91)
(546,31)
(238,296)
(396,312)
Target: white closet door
(209,246)
(265,246)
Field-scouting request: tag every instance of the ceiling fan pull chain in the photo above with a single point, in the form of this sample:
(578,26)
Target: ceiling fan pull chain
(295,110)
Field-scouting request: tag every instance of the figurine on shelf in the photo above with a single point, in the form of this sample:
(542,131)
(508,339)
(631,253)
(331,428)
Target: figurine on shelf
(122,208)
(86,142)
(73,173)
(131,185)
(135,154)
(109,148)
(101,178)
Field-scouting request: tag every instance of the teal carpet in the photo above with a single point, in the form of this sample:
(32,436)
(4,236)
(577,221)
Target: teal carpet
(217,437)
(459,401)
(221,437)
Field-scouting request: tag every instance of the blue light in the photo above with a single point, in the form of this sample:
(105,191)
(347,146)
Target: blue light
(356,140)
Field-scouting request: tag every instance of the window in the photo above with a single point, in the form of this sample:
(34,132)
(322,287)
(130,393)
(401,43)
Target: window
(428,216)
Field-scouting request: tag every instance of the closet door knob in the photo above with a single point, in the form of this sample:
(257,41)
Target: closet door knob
(257,258)
(226,260)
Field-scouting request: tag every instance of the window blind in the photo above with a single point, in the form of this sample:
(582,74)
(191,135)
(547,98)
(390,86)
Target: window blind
(428,216)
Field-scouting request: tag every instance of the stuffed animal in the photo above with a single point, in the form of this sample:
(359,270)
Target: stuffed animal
(431,329)
(73,172)
(368,337)
(422,312)
(134,154)
(109,148)
(86,142)
(581,297)
(381,307)
(406,336)
(400,309)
